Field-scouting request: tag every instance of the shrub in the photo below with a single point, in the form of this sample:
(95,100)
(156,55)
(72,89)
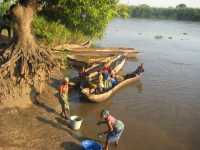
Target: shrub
(3,8)
(54,33)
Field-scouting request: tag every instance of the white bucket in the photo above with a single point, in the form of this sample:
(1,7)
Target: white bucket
(75,122)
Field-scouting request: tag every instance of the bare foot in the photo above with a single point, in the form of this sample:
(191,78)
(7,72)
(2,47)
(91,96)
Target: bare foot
(105,148)
(116,143)
(61,114)
(67,118)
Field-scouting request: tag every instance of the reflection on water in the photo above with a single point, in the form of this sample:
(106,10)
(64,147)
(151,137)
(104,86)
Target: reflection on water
(162,111)
(140,86)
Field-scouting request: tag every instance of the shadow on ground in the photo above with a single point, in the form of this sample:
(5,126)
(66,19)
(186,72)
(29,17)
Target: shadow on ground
(62,124)
(54,83)
(71,146)
(47,108)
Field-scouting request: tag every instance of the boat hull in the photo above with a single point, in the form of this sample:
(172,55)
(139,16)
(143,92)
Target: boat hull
(105,50)
(103,97)
(115,69)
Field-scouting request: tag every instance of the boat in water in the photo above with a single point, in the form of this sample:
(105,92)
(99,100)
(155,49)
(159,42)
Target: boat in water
(115,64)
(101,97)
(105,50)
(92,72)
(80,62)
(71,46)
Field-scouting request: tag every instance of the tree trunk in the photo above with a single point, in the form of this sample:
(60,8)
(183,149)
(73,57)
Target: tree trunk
(24,62)
(23,21)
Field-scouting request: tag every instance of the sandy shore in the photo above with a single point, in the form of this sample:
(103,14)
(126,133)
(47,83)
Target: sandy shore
(24,125)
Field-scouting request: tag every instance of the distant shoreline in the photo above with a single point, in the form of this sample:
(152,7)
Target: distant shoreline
(180,12)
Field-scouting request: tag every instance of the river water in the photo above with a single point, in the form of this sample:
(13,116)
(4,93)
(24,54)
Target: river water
(162,111)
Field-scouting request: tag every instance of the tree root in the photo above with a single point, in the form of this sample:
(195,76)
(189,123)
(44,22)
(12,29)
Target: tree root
(21,67)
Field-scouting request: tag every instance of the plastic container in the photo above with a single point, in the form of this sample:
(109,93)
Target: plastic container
(91,145)
(75,122)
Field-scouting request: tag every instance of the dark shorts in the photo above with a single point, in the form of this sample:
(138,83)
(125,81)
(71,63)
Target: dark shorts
(115,135)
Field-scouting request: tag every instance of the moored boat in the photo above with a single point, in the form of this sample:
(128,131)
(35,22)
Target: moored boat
(69,46)
(74,62)
(105,50)
(79,62)
(116,65)
(93,97)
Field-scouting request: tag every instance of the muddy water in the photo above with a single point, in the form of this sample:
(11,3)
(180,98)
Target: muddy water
(162,111)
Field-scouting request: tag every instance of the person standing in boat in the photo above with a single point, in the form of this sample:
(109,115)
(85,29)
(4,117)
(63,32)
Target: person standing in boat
(106,71)
(106,74)
(101,83)
(140,69)
(63,98)
(115,128)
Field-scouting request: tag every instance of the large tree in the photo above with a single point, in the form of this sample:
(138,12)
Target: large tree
(26,64)
(23,64)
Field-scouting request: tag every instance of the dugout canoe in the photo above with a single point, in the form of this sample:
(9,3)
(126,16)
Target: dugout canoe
(68,46)
(76,63)
(79,62)
(104,96)
(105,50)
(116,65)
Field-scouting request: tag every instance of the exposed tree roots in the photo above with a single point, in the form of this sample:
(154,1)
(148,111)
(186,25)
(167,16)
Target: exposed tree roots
(20,69)
(24,64)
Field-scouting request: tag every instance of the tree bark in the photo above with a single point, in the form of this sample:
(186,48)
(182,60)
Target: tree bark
(24,62)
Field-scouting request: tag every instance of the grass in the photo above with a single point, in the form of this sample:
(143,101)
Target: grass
(55,33)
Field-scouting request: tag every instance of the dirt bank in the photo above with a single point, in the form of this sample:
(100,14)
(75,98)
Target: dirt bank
(24,125)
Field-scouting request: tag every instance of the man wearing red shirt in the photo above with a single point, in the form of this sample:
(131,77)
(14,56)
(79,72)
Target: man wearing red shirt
(63,98)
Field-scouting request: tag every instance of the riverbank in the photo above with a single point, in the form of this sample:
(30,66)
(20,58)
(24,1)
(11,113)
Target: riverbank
(36,126)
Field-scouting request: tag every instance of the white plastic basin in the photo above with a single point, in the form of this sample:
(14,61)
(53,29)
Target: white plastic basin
(75,122)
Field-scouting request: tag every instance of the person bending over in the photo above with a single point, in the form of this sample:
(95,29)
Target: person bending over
(115,128)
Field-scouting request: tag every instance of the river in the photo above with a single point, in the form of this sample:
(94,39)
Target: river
(162,111)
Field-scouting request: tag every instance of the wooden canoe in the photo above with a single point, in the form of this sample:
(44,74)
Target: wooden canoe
(116,65)
(74,62)
(96,55)
(104,96)
(86,44)
(79,62)
(105,50)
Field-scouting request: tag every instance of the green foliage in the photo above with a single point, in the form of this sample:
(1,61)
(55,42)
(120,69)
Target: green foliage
(181,12)
(4,6)
(122,11)
(51,32)
(70,20)
(87,16)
